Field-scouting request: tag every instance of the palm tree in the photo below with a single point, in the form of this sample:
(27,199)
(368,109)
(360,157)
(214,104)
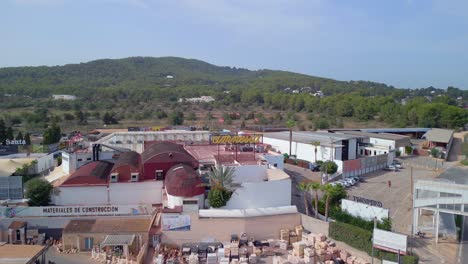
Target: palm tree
(316,144)
(316,187)
(223,177)
(327,189)
(305,187)
(290,124)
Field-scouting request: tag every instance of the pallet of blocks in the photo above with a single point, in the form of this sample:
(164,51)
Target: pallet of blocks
(284,234)
(193,259)
(227,251)
(224,261)
(212,258)
(243,260)
(299,230)
(292,238)
(283,245)
(252,259)
(243,252)
(268,251)
(295,260)
(234,248)
(220,253)
(309,255)
(334,252)
(298,249)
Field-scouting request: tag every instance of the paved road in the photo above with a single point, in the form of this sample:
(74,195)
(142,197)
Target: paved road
(80,258)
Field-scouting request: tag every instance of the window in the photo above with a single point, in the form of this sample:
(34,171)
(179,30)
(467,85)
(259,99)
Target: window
(114,177)
(190,202)
(88,159)
(159,175)
(80,159)
(134,177)
(89,241)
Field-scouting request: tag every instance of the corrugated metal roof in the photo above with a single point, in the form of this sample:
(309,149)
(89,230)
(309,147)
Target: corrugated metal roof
(118,240)
(439,135)
(397,130)
(325,138)
(457,175)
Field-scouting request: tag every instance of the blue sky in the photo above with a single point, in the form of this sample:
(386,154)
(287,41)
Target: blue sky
(405,43)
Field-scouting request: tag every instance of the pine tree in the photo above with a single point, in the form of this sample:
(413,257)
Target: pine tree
(19,136)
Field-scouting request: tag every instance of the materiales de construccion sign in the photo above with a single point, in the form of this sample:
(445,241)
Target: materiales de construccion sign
(78,210)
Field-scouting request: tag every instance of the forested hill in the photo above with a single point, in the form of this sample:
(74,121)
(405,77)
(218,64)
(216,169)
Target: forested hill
(148,89)
(190,78)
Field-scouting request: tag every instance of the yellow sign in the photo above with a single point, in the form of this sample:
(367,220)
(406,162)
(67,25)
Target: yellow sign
(228,139)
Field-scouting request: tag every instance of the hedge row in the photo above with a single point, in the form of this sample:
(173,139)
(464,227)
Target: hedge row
(345,217)
(361,239)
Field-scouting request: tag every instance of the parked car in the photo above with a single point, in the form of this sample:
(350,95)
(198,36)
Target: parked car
(391,168)
(344,183)
(315,167)
(350,181)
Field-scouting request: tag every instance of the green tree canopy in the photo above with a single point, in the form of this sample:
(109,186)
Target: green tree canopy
(38,192)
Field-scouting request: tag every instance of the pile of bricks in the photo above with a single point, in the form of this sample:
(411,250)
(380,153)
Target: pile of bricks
(310,248)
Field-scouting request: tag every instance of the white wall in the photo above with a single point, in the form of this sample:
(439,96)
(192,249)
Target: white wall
(383,142)
(173,201)
(72,161)
(275,159)
(45,163)
(352,149)
(249,173)
(364,211)
(83,195)
(147,192)
(261,194)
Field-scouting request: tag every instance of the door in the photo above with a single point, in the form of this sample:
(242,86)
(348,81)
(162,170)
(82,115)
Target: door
(89,241)
(18,235)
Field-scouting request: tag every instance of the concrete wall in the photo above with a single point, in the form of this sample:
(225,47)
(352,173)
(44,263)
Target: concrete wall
(85,195)
(261,194)
(364,211)
(173,201)
(314,225)
(275,159)
(72,161)
(250,173)
(220,229)
(45,163)
(305,151)
(148,192)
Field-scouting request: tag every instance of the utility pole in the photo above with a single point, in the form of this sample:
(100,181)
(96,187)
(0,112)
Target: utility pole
(375,226)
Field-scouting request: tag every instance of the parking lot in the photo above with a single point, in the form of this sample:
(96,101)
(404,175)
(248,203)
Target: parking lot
(398,200)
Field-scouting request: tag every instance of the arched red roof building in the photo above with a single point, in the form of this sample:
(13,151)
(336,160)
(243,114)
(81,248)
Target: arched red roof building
(128,162)
(183,181)
(160,157)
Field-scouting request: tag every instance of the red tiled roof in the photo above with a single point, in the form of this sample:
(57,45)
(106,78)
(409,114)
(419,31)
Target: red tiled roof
(183,181)
(93,173)
(17,224)
(129,158)
(167,152)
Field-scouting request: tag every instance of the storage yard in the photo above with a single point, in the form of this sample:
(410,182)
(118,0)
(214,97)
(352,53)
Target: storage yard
(294,246)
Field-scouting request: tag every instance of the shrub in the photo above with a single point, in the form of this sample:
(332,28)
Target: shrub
(38,192)
(434,152)
(408,150)
(218,197)
(329,167)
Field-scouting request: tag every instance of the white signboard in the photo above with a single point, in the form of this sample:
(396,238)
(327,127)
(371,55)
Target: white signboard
(55,211)
(175,222)
(364,211)
(388,262)
(390,241)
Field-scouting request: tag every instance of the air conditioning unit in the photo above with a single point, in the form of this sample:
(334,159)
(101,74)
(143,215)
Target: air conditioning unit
(134,177)
(114,177)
